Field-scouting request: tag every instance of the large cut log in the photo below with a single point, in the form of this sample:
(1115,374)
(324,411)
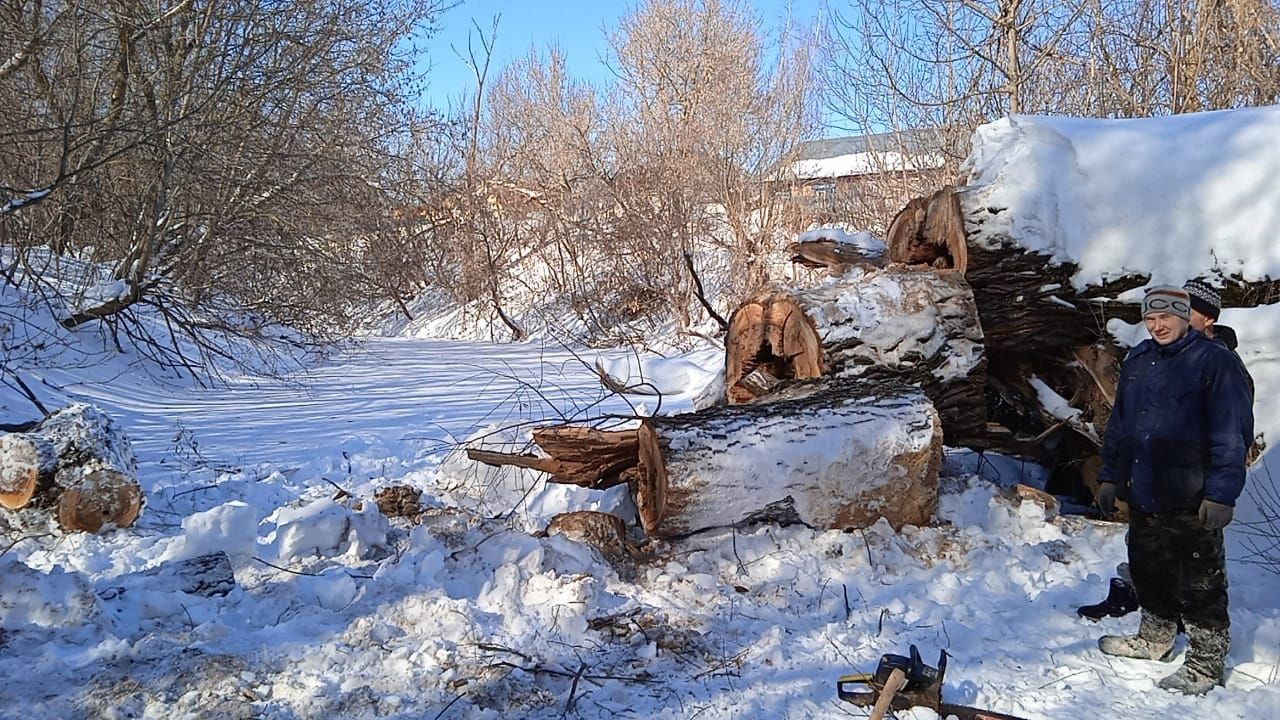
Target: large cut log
(832,453)
(76,464)
(915,325)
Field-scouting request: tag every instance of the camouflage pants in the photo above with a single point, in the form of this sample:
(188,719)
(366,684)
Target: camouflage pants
(1179,573)
(1178,568)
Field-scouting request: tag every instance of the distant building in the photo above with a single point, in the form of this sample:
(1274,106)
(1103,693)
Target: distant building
(861,178)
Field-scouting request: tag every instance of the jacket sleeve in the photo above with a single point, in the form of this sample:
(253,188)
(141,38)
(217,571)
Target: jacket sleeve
(1117,451)
(1229,423)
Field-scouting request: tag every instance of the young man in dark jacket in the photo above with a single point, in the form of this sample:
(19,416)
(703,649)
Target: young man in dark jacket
(1206,308)
(1175,449)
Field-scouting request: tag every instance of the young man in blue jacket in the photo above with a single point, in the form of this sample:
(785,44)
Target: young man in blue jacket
(1206,308)
(1175,449)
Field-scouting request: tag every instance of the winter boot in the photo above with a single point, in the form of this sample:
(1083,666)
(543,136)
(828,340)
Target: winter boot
(1154,640)
(1121,600)
(1205,664)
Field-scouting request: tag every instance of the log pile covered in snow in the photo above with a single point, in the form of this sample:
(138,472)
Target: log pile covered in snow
(1001,308)
(77,465)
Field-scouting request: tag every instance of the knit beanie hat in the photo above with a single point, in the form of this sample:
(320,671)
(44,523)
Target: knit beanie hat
(1167,299)
(1204,298)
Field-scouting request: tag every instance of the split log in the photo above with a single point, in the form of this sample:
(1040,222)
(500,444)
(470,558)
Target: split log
(930,231)
(834,453)
(837,257)
(914,325)
(78,465)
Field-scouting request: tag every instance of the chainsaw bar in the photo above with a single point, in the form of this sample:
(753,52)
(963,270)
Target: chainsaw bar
(923,688)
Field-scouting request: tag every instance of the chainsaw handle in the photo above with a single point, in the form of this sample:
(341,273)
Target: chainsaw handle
(897,679)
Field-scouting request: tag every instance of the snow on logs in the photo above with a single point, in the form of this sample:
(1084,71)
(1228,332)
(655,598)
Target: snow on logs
(832,453)
(78,465)
(912,324)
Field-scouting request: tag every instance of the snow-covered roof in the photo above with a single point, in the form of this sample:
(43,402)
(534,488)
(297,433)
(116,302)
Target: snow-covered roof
(866,154)
(1176,197)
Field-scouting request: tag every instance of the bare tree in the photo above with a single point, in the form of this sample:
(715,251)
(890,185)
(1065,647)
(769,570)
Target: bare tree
(953,64)
(702,113)
(219,155)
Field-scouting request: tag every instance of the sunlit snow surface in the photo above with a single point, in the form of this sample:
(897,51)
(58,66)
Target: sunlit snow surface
(339,612)
(472,612)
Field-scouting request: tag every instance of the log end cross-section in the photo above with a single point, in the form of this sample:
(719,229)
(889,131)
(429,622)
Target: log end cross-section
(24,460)
(94,499)
(770,339)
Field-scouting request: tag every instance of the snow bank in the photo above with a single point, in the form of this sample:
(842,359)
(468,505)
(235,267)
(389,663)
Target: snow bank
(1174,196)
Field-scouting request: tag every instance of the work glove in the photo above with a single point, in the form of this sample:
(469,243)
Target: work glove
(1106,499)
(1215,515)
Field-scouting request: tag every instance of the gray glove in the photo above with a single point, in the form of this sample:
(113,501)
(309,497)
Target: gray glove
(1215,515)
(1106,499)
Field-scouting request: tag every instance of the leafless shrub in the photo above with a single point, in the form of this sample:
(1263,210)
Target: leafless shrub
(215,154)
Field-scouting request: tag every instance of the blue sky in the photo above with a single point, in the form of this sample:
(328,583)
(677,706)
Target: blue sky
(578,27)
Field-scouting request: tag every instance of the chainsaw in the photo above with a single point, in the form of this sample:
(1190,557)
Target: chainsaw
(903,682)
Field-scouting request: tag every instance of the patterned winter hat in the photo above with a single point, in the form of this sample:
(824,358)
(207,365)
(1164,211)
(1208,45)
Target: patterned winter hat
(1167,299)
(1204,298)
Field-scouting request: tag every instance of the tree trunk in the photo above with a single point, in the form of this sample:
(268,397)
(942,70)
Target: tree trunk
(78,465)
(914,325)
(835,453)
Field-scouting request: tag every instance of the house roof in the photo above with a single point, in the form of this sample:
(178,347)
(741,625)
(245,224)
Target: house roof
(865,155)
(917,140)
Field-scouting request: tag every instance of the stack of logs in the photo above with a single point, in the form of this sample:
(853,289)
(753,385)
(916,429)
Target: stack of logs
(837,398)
(77,465)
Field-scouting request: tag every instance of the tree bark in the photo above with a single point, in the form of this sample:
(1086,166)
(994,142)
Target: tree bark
(834,453)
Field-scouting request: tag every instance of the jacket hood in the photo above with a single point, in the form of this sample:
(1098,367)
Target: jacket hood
(1226,335)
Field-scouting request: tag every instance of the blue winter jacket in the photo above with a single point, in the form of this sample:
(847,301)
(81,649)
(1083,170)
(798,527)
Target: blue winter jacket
(1182,422)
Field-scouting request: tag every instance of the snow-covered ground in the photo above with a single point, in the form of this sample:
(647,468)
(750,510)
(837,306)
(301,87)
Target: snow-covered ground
(471,615)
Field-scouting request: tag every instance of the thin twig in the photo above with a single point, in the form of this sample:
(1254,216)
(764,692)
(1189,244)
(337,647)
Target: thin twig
(573,690)
(702,295)
(1065,677)
(342,492)
(446,707)
(26,537)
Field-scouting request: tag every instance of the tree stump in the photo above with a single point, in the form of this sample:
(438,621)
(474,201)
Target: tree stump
(78,465)
(833,453)
(602,531)
(909,324)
